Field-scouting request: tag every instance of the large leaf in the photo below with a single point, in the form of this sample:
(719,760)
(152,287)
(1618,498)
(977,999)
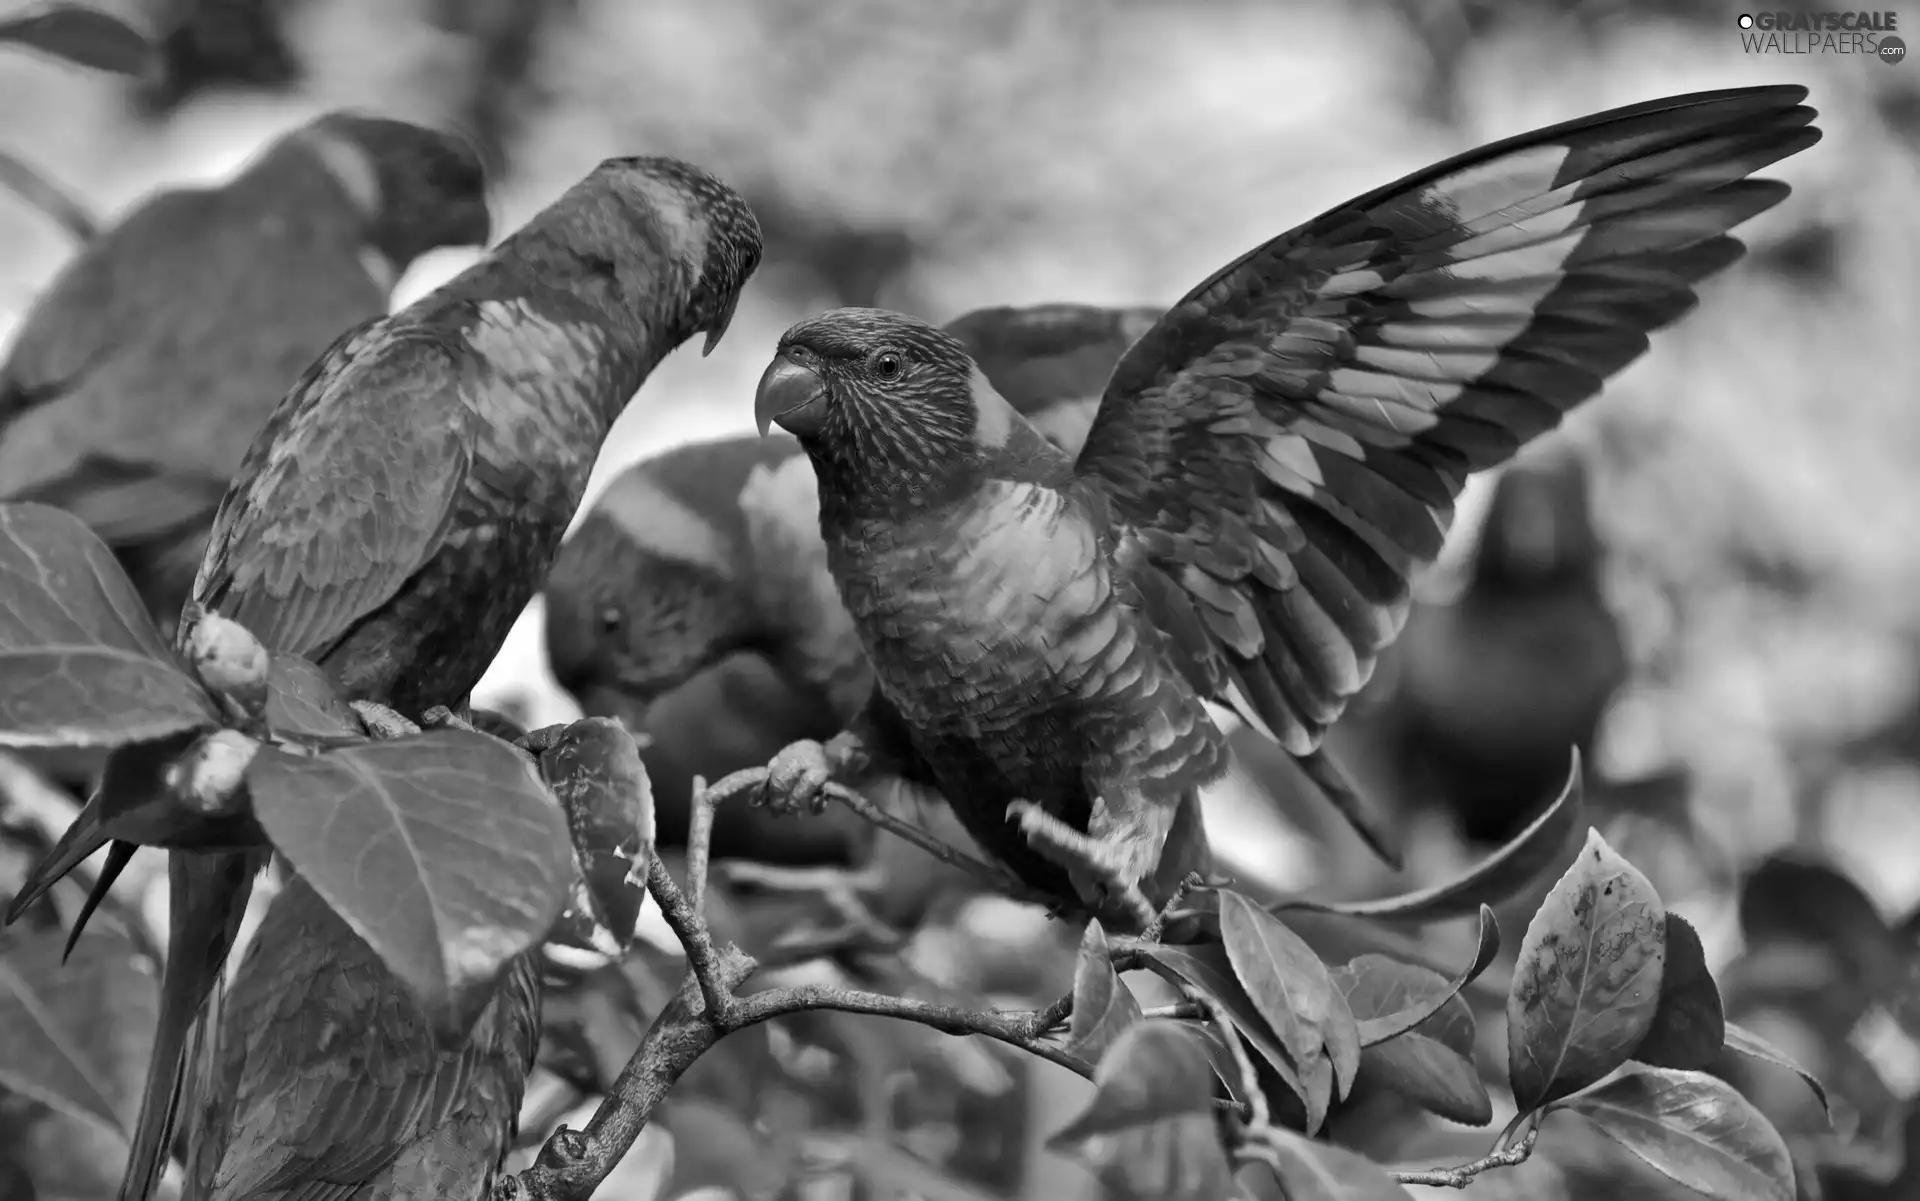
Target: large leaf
(76,1037)
(1103,1006)
(1694,1129)
(81,663)
(1587,981)
(1149,1132)
(1747,1043)
(1290,986)
(84,36)
(1689,1025)
(1311,1171)
(1389,997)
(1508,870)
(594,769)
(302,703)
(442,850)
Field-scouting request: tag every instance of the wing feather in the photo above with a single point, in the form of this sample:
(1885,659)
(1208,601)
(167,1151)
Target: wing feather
(1285,445)
(348,491)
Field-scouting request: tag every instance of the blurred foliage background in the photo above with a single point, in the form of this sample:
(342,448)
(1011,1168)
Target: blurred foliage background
(1753,479)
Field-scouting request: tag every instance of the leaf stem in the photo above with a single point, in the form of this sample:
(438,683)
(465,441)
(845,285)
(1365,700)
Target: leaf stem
(1500,1157)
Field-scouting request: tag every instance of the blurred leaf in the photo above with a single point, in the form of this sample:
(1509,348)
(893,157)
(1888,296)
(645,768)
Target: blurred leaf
(83,36)
(1787,897)
(1311,1171)
(1586,985)
(1747,1043)
(1154,1070)
(1694,1129)
(1175,1159)
(1102,1005)
(76,1037)
(441,850)
(45,196)
(73,1160)
(594,769)
(712,1148)
(1389,997)
(1689,1025)
(1206,969)
(1505,872)
(302,702)
(1291,988)
(896,1172)
(81,663)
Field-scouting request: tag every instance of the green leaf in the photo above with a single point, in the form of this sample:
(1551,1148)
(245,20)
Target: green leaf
(76,1037)
(1154,1070)
(714,1149)
(1389,997)
(1587,981)
(442,850)
(1747,1043)
(1149,1132)
(1103,1006)
(1432,1066)
(84,36)
(594,769)
(1289,985)
(81,664)
(1695,1130)
(1205,969)
(1508,870)
(1689,1026)
(302,703)
(1311,1171)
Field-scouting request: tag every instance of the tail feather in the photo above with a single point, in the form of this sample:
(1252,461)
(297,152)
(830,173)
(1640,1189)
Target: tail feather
(85,835)
(118,856)
(1374,826)
(209,897)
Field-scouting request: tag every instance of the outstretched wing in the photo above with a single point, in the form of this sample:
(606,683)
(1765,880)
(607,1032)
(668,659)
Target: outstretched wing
(1286,444)
(1052,361)
(347,492)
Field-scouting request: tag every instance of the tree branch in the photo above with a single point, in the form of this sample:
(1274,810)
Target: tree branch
(1508,1152)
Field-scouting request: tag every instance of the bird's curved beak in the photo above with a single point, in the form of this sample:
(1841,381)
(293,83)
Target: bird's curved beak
(791,396)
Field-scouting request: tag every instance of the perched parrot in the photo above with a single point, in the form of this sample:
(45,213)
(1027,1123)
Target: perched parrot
(1493,688)
(694,599)
(323,1077)
(1268,465)
(403,503)
(143,372)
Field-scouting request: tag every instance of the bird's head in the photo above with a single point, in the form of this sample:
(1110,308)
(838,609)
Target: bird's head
(630,618)
(883,403)
(419,189)
(642,215)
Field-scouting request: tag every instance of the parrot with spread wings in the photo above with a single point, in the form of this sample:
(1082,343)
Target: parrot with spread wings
(1268,466)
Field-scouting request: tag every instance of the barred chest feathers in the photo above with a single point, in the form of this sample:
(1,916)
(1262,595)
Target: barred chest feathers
(1009,594)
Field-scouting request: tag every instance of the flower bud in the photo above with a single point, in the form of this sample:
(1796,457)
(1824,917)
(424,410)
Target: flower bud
(210,777)
(231,662)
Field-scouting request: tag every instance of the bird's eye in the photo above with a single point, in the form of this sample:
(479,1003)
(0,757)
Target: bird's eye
(611,619)
(887,365)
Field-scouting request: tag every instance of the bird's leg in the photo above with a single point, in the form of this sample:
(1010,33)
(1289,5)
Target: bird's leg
(382,722)
(440,716)
(1107,862)
(798,776)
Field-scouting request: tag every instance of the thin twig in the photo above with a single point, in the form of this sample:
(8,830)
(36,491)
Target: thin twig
(1186,1011)
(700,845)
(1258,1116)
(704,960)
(986,873)
(1462,1176)
(42,193)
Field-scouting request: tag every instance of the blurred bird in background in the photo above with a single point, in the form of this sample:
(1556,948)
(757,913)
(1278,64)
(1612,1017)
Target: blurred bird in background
(405,500)
(695,601)
(1492,689)
(145,369)
(1268,466)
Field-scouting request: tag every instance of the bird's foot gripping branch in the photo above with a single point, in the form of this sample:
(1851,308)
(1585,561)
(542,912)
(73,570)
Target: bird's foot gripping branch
(1611,1013)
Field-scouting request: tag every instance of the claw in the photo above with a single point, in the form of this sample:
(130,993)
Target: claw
(797,779)
(1106,874)
(442,717)
(381,721)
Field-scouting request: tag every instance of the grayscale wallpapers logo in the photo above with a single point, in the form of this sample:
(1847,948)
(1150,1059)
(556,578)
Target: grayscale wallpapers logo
(1868,34)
